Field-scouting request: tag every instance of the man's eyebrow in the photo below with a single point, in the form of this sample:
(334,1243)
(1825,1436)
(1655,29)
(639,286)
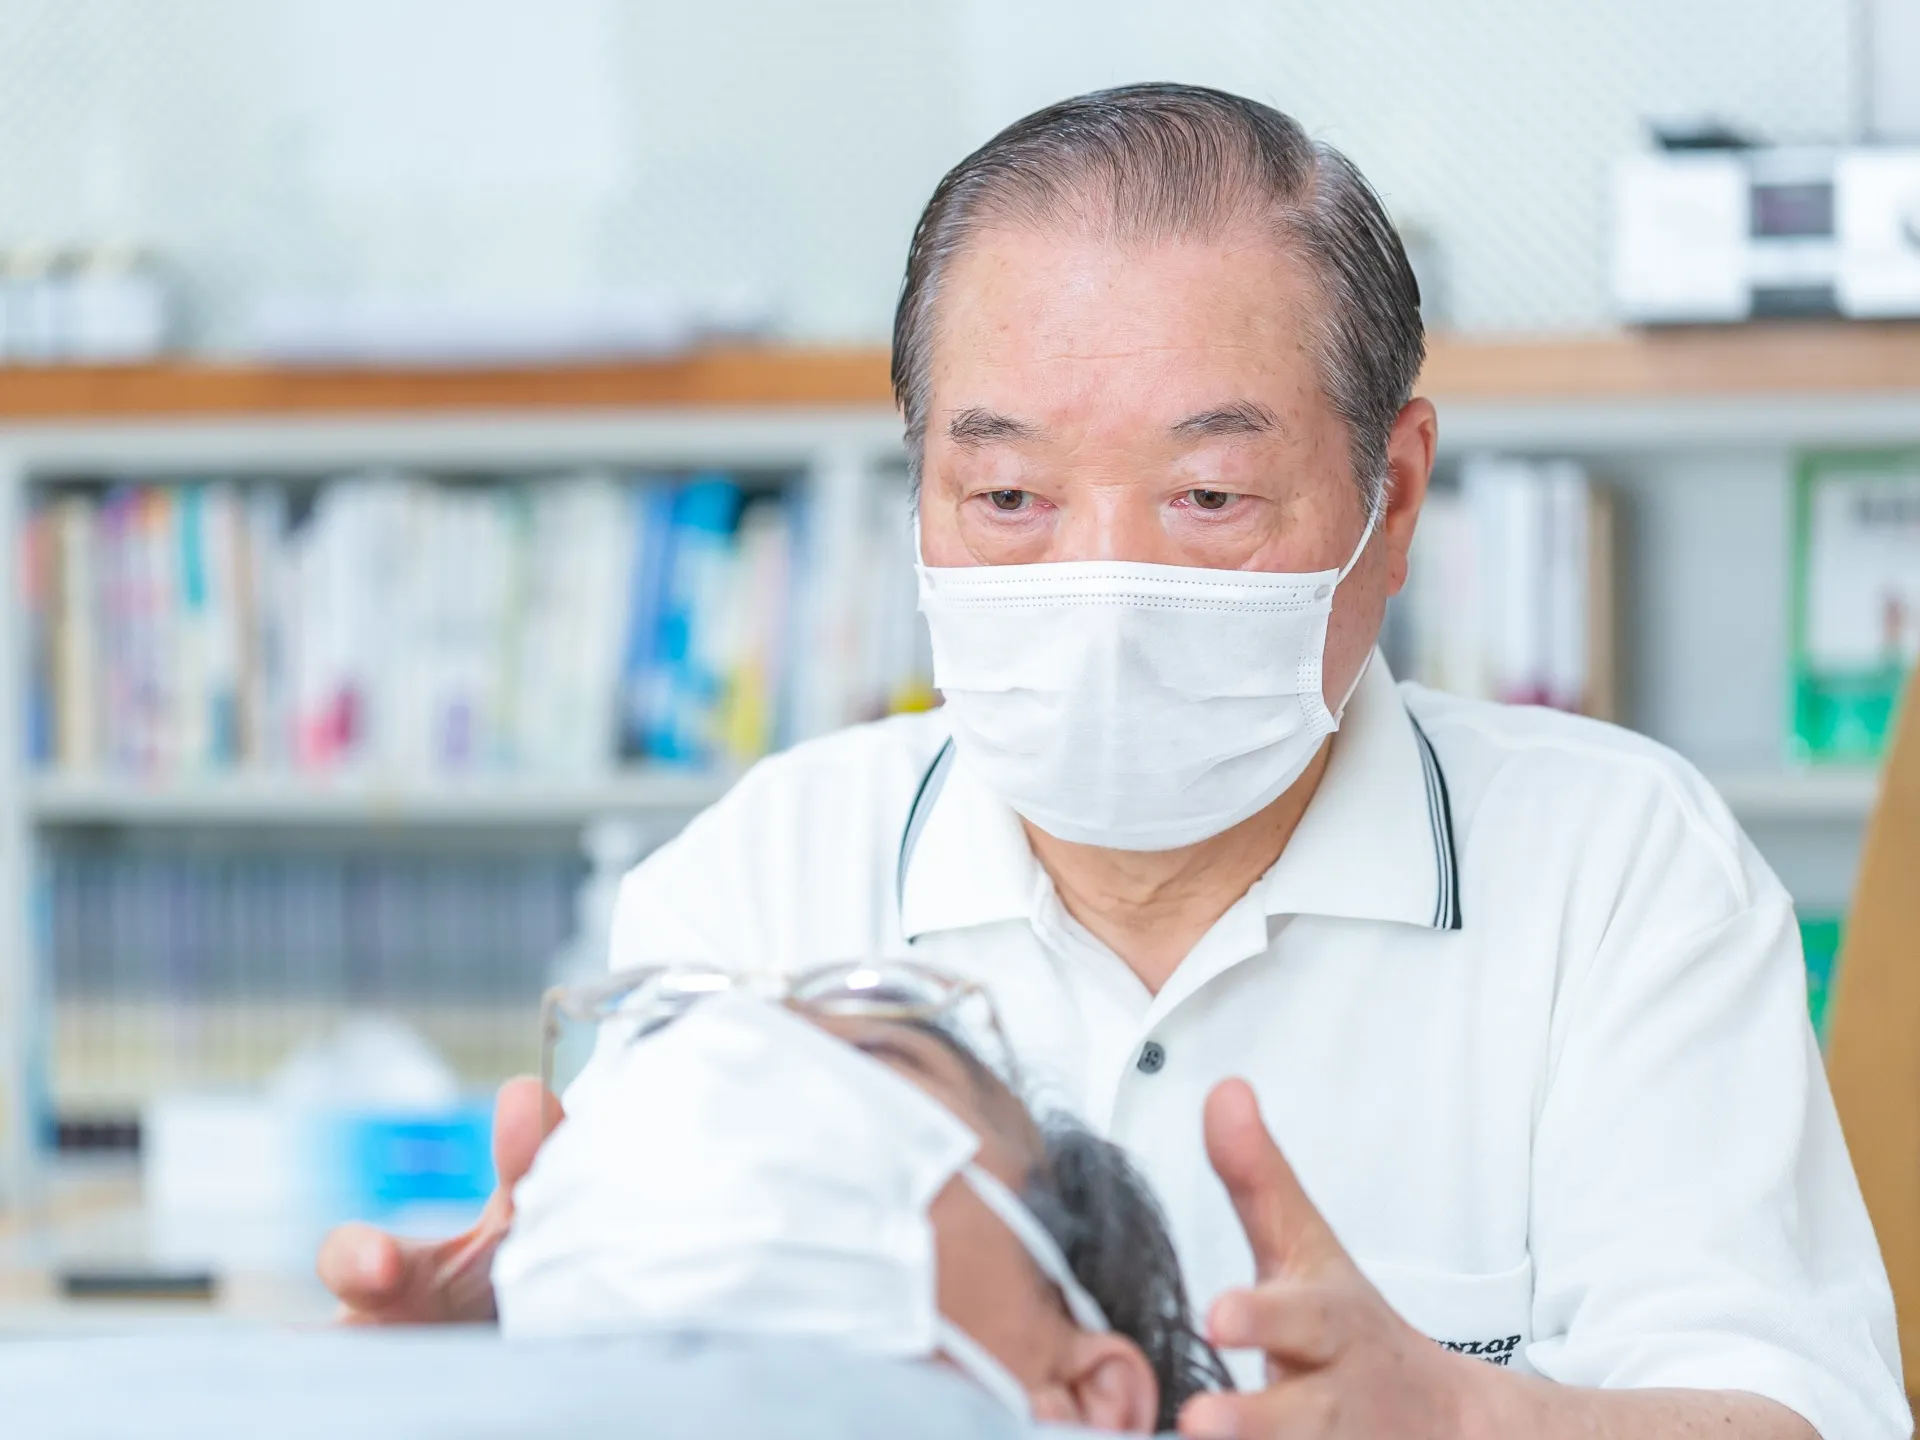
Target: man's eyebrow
(1242,417)
(974,426)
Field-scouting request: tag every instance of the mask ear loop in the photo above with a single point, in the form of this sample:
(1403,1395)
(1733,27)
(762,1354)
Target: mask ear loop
(1366,535)
(984,1369)
(1084,1309)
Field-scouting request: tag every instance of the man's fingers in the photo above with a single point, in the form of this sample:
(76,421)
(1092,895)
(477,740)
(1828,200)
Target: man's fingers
(524,1114)
(380,1280)
(1281,1223)
(383,1281)
(361,1266)
(1299,1325)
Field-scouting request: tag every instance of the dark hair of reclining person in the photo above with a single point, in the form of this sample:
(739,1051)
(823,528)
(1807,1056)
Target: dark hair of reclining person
(1103,1215)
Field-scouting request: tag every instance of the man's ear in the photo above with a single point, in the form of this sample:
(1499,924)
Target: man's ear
(1109,1384)
(1410,449)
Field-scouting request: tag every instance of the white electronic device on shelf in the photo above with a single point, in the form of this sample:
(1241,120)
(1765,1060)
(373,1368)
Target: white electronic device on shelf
(1704,236)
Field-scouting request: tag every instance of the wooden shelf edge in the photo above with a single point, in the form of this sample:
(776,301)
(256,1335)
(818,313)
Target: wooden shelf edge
(1730,362)
(744,377)
(1719,362)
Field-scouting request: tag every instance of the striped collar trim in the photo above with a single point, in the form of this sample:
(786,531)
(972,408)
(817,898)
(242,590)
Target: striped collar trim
(1377,843)
(1446,857)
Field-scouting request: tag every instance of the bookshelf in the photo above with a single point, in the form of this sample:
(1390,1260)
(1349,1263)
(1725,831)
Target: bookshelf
(1841,794)
(782,418)
(1697,429)
(278,800)
(1757,797)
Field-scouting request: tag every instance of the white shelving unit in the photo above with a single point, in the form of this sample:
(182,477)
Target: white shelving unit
(1841,794)
(1704,477)
(840,454)
(275,800)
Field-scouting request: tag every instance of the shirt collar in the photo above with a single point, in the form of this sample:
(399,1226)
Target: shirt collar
(1376,843)
(964,858)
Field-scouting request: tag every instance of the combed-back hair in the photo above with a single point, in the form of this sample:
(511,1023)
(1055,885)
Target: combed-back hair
(1103,1215)
(1164,162)
(1101,1212)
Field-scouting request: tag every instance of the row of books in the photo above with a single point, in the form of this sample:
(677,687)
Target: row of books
(174,971)
(1510,591)
(406,625)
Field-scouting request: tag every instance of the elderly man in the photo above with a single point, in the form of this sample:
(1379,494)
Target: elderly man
(1521,1006)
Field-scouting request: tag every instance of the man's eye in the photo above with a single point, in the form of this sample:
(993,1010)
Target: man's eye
(1008,500)
(1209,499)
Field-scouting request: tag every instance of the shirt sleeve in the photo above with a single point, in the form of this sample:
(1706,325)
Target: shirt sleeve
(1696,1222)
(658,920)
(747,883)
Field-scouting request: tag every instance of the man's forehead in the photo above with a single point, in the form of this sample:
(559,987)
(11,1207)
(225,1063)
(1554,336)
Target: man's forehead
(941,1064)
(1076,297)
(1193,345)
(975,425)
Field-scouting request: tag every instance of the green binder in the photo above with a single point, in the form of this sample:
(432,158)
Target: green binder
(1856,600)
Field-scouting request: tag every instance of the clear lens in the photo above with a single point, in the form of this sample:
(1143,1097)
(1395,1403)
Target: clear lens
(645,1001)
(876,987)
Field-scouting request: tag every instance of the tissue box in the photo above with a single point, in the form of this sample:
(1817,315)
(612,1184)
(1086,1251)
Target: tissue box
(235,1180)
(427,1171)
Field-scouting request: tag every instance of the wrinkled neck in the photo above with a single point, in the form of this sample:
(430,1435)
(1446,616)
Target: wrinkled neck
(1150,907)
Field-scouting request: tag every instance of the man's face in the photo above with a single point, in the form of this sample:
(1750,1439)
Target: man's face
(1158,403)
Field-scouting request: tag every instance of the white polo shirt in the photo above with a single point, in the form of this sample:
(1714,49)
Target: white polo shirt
(1523,1007)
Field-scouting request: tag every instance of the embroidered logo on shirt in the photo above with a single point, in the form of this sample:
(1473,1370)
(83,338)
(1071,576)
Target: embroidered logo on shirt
(1498,1351)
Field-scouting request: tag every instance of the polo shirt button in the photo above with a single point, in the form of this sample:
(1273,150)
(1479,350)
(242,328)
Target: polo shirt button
(1153,1055)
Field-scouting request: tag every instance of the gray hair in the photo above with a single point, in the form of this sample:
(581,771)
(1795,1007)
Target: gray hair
(1103,1215)
(1110,1228)
(1163,161)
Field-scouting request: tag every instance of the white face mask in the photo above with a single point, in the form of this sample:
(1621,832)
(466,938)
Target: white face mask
(1139,707)
(743,1172)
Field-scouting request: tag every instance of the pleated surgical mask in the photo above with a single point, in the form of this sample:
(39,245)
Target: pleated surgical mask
(742,1171)
(1132,706)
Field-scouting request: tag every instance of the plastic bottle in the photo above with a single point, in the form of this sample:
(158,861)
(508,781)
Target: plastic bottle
(612,847)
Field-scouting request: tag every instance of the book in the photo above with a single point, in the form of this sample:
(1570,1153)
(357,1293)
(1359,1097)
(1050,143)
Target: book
(752,633)
(1510,591)
(39,562)
(404,626)
(1820,937)
(199,969)
(1855,625)
(686,677)
(650,508)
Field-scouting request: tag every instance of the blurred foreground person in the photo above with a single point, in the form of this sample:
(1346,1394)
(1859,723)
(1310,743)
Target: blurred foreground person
(744,1170)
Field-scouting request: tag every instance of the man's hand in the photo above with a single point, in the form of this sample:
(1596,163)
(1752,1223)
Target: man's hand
(1341,1365)
(381,1280)
(1340,1362)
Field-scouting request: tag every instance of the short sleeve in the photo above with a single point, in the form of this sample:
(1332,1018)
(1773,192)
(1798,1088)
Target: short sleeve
(1696,1222)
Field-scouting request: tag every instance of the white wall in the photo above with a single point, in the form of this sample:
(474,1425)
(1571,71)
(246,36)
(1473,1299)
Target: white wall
(508,146)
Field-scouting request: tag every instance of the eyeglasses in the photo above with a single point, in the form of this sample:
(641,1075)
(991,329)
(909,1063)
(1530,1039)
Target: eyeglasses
(653,996)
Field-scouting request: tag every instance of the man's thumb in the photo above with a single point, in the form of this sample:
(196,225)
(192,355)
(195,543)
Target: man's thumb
(524,1114)
(1282,1225)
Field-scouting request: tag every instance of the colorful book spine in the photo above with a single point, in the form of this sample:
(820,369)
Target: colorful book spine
(1510,594)
(39,579)
(652,512)
(401,627)
(686,685)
